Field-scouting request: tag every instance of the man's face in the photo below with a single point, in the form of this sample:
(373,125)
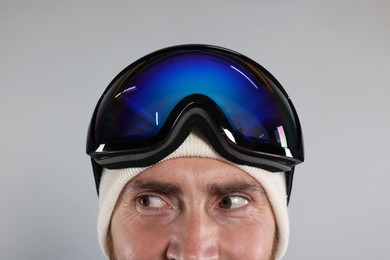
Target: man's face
(193,208)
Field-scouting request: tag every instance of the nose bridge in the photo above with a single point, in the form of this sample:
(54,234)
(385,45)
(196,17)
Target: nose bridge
(196,237)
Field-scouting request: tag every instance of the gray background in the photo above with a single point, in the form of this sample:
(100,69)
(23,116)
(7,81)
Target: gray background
(57,57)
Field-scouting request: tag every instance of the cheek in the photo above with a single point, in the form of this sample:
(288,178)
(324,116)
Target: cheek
(134,238)
(252,240)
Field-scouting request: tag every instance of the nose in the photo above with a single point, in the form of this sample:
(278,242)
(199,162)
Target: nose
(195,236)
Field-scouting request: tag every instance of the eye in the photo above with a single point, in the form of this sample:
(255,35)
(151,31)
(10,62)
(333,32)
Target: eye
(151,201)
(233,202)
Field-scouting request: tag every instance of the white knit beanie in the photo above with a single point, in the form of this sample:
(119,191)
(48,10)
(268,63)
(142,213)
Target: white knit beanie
(113,181)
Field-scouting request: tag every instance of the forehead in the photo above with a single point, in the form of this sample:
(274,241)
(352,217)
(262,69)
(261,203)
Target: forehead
(196,171)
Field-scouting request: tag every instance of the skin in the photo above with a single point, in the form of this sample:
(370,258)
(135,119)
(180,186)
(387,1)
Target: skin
(193,208)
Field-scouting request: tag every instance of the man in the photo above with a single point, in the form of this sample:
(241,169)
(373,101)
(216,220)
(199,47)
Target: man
(193,149)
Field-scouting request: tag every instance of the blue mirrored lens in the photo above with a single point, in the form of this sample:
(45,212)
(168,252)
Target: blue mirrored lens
(139,101)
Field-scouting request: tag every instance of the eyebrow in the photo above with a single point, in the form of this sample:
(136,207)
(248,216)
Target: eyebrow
(163,187)
(213,189)
(229,188)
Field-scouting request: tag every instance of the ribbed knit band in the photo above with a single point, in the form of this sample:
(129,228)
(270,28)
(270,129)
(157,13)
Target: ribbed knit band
(113,181)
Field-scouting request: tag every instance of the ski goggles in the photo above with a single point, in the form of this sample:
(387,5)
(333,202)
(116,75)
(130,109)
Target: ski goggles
(147,111)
